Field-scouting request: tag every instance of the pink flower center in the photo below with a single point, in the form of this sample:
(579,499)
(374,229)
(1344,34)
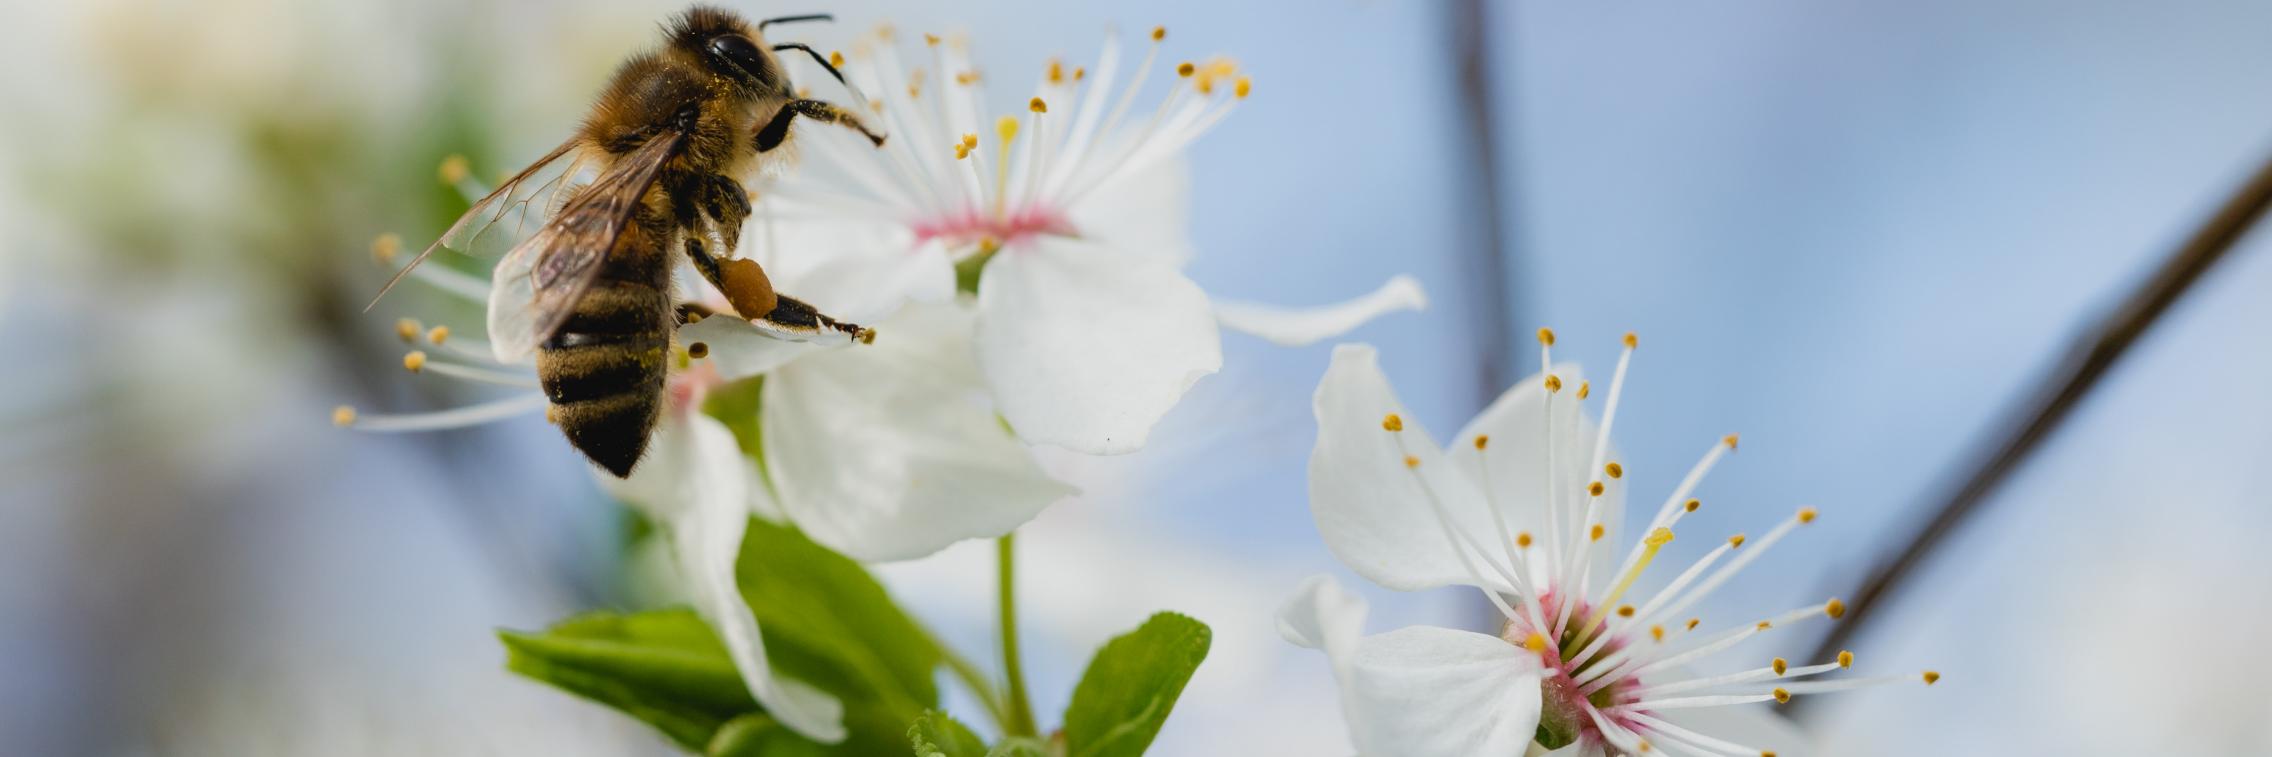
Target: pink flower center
(1564,702)
(971,227)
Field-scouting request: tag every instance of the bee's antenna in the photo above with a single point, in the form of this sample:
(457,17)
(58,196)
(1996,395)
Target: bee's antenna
(817,58)
(793,19)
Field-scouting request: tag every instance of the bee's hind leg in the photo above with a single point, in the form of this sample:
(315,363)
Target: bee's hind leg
(742,280)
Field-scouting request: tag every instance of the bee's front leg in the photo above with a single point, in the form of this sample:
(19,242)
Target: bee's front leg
(776,131)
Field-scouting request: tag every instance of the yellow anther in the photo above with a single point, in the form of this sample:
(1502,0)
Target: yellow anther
(1806,514)
(966,78)
(864,336)
(1834,608)
(1036,105)
(343,416)
(1614,470)
(1780,665)
(1535,642)
(1658,538)
(1735,542)
(698,350)
(1932,677)
(1764,625)
(886,32)
(1481,441)
(1006,129)
(1645,746)
(1729,440)
(931,39)
(1845,659)
(1632,340)
(1691,505)
(1186,69)
(1782,695)
(1240,88)
(415,361)
(1159,33)
(836,58)
(1080,73)
(961,152)
(454,169)
(1657,632)
(1595,489)
(408,329)
(1546,337)
(970,140)
(1553,383)
(1056,71)
(438,334)
(385,246)
(1597,532)
(1411,462)
(1624,611)
(1585,389)
(1392,422)
(1523,540)
(1692,623)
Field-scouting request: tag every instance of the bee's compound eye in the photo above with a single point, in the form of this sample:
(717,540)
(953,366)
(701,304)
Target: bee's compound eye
(743,54)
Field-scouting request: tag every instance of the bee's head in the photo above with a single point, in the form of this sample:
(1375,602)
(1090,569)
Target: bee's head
(729,46)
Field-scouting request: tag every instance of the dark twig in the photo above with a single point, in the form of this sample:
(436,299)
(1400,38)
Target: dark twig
(2088,361)
(1485,268)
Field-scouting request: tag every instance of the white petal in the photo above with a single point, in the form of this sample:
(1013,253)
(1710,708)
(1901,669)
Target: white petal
(1147,212)
(1423,691)
(1087,347)
(1323,616)
(856,270)
(889,452)
(1370,507)
(1295,327)
(740,350)
(1516,423)
(694,484)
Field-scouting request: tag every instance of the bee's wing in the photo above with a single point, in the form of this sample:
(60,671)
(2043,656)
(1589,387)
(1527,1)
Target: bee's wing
(537,284)
(516,191)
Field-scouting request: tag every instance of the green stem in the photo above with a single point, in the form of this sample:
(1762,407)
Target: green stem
(1020,720)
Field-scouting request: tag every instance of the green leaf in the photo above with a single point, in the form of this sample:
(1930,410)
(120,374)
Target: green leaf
(828,623)
(761,736)
(1019,746)
(1131,685)
(937,734)
(665,668)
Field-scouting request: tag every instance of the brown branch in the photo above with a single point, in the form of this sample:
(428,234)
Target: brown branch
(2087,362)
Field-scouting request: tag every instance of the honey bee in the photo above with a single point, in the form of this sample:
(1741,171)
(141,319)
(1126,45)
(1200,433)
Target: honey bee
(590,291)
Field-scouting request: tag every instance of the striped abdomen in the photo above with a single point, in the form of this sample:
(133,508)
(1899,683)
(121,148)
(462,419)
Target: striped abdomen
(604,368)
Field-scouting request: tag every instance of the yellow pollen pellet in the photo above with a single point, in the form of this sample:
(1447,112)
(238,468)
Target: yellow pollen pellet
(698,350)
(408,329)
(693,318)
(1730,440)
(438,334)
(836,58)
(343,416)
(1614,470)
(1598,531)
(1240,88)
(1735,542)
(1553,383)
(1632,340)
(1392,422)
(1806,514)
(1535,642)
(454,169)
(1482,440)
(1411,462)
(1766,754)
(1692,505)
(1834,608)
(1546,337)
(1185,69)
(1585,389)
(1595,488)
(1845,659)
(1523,540)
(1780,665)
(1037,105)
(415,361)
(385,247)
(1657,632)
(1932,677)
(1692,623)
(1624,611)
(1782,695)
(1159,33)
